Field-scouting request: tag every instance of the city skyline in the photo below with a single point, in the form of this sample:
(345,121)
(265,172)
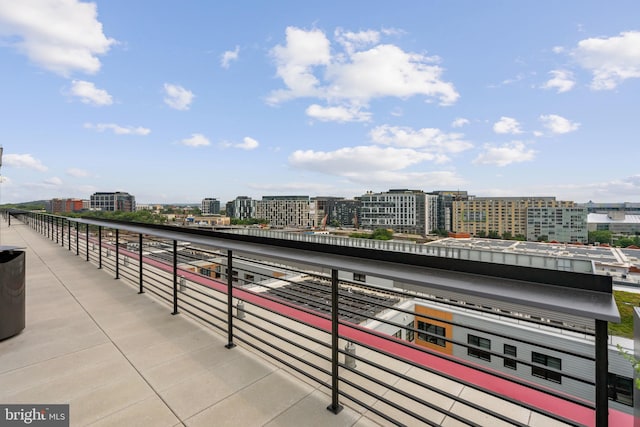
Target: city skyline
(175,104)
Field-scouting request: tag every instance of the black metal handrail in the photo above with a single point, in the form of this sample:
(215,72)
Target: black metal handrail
(203,305)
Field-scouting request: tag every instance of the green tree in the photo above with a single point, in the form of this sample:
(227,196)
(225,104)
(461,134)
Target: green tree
(493,234)
(600,236)
(482,234)
(543,238)
(507,235)
(625,241)
(382,234)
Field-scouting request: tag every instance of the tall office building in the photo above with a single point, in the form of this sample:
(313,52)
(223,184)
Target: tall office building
(111,202)
(403,211)
(210,206)
(286,211)
(485,215)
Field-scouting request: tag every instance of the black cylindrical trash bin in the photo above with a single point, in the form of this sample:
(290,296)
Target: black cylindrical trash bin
(12,291)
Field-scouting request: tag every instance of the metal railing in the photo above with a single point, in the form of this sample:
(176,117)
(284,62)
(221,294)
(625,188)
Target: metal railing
(307,321)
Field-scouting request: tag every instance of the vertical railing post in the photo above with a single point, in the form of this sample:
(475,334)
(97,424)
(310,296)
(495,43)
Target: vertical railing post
(57,230)
(69,232)
(140,279)
(86,242)
(175,277)
(230,343)
(99,246)
(77,238)
(117,253)
(62,231)
(602,373)
(335,406)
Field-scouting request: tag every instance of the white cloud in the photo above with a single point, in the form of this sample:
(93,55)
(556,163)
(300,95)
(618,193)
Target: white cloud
(350,161)
(308,69)
(26,161)
(615,190)
(355,41)
(196,140)
(228,56)
(372,165)
(248,144)
(558,124)
(425,139)
(77,173)
(611,60)
(459,122)
(561,80)
(507,125)
(435,179)
(177,97)
(117,129)
(89,93)
(558,49)
(62,36)
(506,154)
(337,114)
(53,181)
(295,61)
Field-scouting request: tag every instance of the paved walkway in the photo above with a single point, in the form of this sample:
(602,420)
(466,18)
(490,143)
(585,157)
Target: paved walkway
(121,359)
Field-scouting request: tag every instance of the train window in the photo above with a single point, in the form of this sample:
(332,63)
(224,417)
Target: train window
(551,362)
(433,332)
(510,350)
(410,333)
(479,342)
(360,277)
(621,389)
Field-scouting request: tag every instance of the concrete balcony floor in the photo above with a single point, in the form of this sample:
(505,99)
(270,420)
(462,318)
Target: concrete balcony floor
(121,359)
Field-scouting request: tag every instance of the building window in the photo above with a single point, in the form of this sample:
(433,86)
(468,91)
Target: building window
(205,272)
(551,362)
(360,277)
(432,333)
(510,350)
(410,333)
(621,389)
(481,343)
(248,279)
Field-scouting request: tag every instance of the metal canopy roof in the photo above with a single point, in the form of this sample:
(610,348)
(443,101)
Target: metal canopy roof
(579,294)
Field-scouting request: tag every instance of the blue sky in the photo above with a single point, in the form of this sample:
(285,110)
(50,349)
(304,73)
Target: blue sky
(174,101)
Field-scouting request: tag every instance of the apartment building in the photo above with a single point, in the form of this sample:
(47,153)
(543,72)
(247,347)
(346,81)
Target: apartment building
(64,205)
(560,224)
(480,216)
(403,211)
(117,201)
(210,206)
(242,207)
(445,207)
(287,211)
(324,208)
